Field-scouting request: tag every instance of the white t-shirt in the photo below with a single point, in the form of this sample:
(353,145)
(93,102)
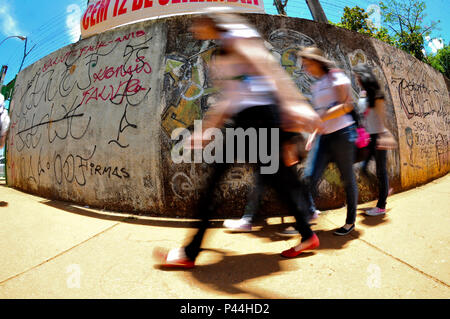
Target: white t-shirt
(372,122)
(324,97)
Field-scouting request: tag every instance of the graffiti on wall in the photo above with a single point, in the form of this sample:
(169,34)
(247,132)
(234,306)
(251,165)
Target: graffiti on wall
(421,104)
(76,109)
(187,94)
(186,89)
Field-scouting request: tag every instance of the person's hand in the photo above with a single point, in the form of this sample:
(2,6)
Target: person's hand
(310,141)
(386,141)
(300,117)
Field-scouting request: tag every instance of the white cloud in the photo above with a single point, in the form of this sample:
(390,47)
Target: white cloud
(434,44)
(73,22)
(8,24)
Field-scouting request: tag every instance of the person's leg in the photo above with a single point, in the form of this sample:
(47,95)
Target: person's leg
(371,153)
(251,208)
(290,192)
(383,179)
(205,209)
(316,162)
(254,199)
(343,154)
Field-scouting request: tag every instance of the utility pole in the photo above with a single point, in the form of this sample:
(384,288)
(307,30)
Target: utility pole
(3,74)
(317,11)
(280,6)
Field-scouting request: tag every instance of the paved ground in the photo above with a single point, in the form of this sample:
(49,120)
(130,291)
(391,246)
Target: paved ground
(52,249)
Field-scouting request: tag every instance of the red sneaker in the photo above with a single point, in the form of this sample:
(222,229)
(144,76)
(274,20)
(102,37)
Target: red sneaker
(174,258)
(290,253)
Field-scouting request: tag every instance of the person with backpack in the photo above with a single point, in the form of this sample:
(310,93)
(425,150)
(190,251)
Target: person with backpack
(371,104)
(332,100)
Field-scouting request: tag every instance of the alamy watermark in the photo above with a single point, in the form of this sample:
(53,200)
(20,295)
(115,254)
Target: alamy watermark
(374,278)
(74,278)
(237,146)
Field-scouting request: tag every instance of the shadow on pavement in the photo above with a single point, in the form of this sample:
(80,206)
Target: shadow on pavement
(327,239)
(230,273)
(138,220)
(3,204)
(374,220)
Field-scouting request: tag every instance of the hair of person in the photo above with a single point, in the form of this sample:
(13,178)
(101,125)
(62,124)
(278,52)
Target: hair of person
(224,18)
(369,83)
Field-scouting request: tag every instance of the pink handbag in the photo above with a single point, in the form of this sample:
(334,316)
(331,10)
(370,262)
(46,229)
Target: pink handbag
(363,138)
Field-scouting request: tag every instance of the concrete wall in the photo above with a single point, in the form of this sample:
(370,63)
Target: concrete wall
(91,122)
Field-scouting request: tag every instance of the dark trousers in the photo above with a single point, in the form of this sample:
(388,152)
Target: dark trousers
(381,170)
(338,147)
(285,180)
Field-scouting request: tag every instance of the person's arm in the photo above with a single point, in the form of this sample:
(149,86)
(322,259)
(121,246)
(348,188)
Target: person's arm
(385,140)
(379,109)
(345,103)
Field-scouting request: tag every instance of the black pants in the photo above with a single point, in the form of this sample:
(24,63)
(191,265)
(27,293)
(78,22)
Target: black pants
(381,169)
(285,180)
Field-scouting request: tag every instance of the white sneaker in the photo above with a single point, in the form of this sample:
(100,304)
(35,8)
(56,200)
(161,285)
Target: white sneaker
(375,211)
(238,224)
(315,215)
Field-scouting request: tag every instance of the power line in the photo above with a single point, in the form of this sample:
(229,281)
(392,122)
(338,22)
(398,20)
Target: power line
(48,36)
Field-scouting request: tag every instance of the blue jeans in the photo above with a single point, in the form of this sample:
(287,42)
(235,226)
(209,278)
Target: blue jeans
(338,147)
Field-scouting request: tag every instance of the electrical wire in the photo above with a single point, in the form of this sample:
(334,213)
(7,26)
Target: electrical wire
(48,37)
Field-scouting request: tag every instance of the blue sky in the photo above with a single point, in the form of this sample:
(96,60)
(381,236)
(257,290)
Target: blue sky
(52,24)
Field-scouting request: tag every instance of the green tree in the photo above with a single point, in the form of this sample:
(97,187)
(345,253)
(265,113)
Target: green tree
(405,18)
(358,20)
(441,60)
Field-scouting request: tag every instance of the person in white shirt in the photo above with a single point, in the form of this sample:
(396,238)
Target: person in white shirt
(335,142)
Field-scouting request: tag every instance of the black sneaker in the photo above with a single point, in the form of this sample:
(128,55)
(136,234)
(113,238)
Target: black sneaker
(342,231)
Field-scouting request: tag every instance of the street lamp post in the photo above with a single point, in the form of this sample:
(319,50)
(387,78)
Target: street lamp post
(19,37)
(25,53)
(14,36)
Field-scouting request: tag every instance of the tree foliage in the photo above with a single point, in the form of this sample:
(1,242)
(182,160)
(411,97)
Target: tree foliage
(405,29)
(405,19)
(358,20)
(441,60)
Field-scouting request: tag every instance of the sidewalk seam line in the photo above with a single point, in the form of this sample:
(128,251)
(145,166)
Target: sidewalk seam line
(397,259)
(59,254)
(405,263)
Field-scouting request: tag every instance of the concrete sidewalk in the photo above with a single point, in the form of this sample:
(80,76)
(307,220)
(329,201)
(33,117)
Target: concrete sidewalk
(52,249)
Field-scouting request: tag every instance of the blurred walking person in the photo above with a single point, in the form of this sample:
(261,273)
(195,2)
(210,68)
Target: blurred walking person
(371,104)
(257,93)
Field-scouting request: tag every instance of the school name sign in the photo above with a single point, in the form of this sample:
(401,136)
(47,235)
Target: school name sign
(102,15)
